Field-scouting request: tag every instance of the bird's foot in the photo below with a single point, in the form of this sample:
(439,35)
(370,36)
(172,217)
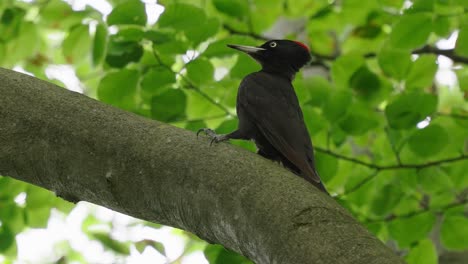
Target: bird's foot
(214,137)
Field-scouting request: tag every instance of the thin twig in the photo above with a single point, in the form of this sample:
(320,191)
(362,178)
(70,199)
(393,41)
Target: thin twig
(191,85)
(393,217)
(392,167)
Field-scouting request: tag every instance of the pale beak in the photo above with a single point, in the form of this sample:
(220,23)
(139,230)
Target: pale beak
(247,49)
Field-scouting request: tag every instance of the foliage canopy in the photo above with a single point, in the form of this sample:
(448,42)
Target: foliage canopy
(384,98)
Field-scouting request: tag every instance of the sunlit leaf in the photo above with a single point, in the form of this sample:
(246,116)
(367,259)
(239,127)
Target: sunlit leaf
(411,31)
(424,252)
(200,71)
(429,141)
(454,232)
(410,108)
(169,105)
(237,9)
(217,254)
(409,229)
(461,47)
(119,88)
(99,44)
(77,44)
(422,72)
(128,12)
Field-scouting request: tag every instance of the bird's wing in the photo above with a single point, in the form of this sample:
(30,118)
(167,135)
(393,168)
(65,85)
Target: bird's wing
(272,104)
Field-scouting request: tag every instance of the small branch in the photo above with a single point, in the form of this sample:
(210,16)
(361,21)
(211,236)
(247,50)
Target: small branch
(320,59)
(455,116)
(392,167)
(392,144)
(393,217)
(191,85)
(243,33)
(361,183)
(449,53)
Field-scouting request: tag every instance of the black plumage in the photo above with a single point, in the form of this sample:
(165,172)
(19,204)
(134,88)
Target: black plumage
(269,111)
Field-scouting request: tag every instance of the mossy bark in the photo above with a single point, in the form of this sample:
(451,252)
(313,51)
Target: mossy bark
(85,150)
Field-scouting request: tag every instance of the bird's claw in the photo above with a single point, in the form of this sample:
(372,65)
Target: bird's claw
(209,132)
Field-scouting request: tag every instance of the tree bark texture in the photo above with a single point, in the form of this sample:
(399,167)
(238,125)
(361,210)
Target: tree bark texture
(85,150)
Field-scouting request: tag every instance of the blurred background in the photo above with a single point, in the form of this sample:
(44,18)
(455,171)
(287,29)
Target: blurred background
(384,99)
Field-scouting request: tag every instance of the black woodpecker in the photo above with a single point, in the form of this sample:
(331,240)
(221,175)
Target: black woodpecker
(268,109)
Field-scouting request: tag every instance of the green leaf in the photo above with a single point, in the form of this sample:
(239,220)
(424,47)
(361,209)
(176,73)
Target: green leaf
(244,66)
(10,188)
(422,72)
(199,107)
(428,141)
(189,19)
(410,108)
(25,45)
(457,174)
(181,16)
(337,105)
(343,68)
(131,33)
(37,217)
(394,62)
(12,215)
(119,89)
(77,44)
(99,44)
(10,23)
(217,254)
(442,26)
(327,166)
(159,247)
(120,54)
(169,106)
(407,230)
(156,79)
(461,47)
(424,252)
(318,90)
(237,9)
(421,6)
(112,244)
(37,197)
(227,126)
(386,199)
(141,245)
(365,83)
(128,12)
(411,31)
(200,71)
(433,179)
(454,232)
(7,238)
(462,76)
(314,120)
(359,120)
(58,14)
(159,37)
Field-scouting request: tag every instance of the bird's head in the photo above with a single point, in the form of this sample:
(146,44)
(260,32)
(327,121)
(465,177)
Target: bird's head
(283,56)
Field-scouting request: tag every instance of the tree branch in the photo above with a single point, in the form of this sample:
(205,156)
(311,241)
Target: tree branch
(85,150)
(321,58)
(393,217)
(395,166)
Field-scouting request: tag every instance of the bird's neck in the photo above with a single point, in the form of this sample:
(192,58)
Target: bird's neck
(286,72)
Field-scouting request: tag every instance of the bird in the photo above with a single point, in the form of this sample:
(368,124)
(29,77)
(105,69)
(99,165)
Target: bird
(268,108)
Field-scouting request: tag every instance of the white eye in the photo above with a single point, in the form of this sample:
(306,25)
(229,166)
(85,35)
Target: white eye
(273,44)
